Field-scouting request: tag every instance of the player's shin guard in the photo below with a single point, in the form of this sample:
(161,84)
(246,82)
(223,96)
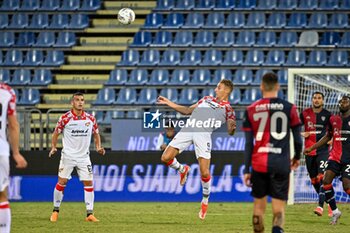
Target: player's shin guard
(258,224)
(58,196)
(5,217)
(206,189)
(316,183)
(176,165)
(329,193)
(89,197)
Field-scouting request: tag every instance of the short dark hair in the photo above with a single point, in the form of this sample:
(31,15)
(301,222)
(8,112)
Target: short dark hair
(318,93)
(77,94)
(228,83)
(269,81)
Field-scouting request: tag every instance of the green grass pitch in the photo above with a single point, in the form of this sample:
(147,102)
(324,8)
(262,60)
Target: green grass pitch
(166,217)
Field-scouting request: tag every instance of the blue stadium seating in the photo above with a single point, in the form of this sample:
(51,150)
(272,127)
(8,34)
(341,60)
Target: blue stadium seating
(39,21)
(54,58)
(142,39)
(184,5)
(212,57)
(170,57)
(281,94)
(34,58)
(150,57)
(317,58)
(162,39)
(129,58)
(13,58)
(90,5)
(250,95)
(59,21)
(259,74)
(224,39)
(110,115)
(147,96)
(204,38)
(170,93)
(45,39)
(220,75)
(70,5)
(159,77)
(105,96)
(254,58)
(297,20)
(267,5)
(282,77)
(175,20)
(138,77)
(42,77)
(235,20)
(29,96)
(205,5)
(194,20)
(266,39)
(50,5)
(339,20)
(338,58)
(288,39)
(245,38)
(318,20)
(1,57)
(191,57)
(345,4)
(183,38)
(180,77)
(256,20)
(18,94)
(276,20)
(308,39)
(287,4)
(134,114)
(12,5)
(4,21)
(19,20)
(296,58)
(165,5)
(30,5)
(7,38)
(275,58)
(98,116)
(200,77)
(188,96)
(21,77)
(224,4)
(330,38)
(243,77)
(65,39)
(126,96)
(208,92)
(345,40)
(25,39)
(308,5)
(328,5)
(117,77)
(235,96)
(233,57)
(246,4)
(215,20)
(4,75)
(79,21)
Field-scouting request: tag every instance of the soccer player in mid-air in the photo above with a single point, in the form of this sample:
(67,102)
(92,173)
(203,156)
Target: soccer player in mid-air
(8,126)
(77,127)
(216,109)
(339,157)
(269,122)
(315,121)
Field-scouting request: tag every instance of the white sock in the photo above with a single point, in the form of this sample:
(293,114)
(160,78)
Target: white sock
(206,186)
(5,217)
(58,196)
(89,198)
(176,165)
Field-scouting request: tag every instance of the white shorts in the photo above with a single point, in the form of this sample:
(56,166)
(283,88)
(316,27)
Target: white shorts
(4,172)
(201,141)
(83,166)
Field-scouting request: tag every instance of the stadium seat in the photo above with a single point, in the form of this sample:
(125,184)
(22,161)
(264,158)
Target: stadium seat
(4,75)
(246,4)
(245,38)
(224,39)
(90,5)
(142,39)
(266,39)
(138,77)
(205,5)
(317,58)
(42,77)
(25,39)
(39,21)
(307,5)
(254,58)
(296,58)
(276,20)
(126,96)
(339,20)
(170,57)
(153,21)
(13,58)
(70,5)
(338,58)
(59,21)
(204,38)
(235,20)
(328,5)
(110,115)
(281,94)
(105,96)
(147,96)
(180,77)
(30,5)
(208,92)
(134,114)
(258,76)
(220,75)
(129,58)
(224,5)
(288,39)
(256,20)
(169,93)
(50,5)
(117,77)
(1,57)
(345,4)
(173,21)
(215,20)
(65,39)
(21,77)
(45,39)
(318,20)
(159,77)
(345,40)
(267,5)
(19,20)
(212,57)
(29,96)
(308,39)
(297,20)
(243,77)
(235,96)
(282,77)
(275,58)
(79,21)
(250,95)
(150,57)
(7,38)
(11,5)
(287,5)
(188,96)
(200,77)
(191,57)
(4,21)
(162,39)
(54,58)
(33,58)
(166,5)
(184,5)
(233,57)
(330,38)
(183,38)
(194,20)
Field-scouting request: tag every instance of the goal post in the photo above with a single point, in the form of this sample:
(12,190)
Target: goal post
(333,83)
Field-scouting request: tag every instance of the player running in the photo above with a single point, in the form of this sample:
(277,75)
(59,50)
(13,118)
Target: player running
(339,158)
(269,121)
(77,127)
(315,121)
(8,126)
(217,109)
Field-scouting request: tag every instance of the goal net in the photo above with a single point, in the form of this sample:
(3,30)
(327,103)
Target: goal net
(333,83)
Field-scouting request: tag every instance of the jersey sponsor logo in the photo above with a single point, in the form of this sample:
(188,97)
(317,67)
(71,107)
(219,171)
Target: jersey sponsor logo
(76,131)
(269,148)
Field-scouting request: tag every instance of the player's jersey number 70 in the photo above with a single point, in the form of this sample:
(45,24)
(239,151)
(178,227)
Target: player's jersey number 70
(263,117)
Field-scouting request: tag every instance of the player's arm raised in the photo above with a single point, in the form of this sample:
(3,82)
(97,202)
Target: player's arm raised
(179,108)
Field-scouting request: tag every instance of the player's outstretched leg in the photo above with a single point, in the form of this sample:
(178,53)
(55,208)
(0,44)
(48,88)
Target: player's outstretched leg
(57,200)
(205,199)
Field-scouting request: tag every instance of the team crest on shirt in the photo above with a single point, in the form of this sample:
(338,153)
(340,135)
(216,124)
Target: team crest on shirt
(323,118)
(87,124)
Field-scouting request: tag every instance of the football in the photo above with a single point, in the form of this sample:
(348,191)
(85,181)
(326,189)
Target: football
(126,16)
